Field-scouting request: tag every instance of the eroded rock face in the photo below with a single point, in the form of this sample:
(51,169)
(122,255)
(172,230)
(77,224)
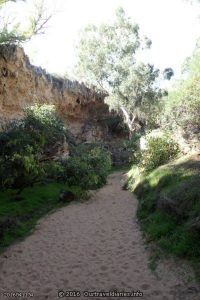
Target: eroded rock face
(22,84)
(82,109)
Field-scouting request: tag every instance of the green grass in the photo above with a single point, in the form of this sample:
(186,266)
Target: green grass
(19,214)
(169,200)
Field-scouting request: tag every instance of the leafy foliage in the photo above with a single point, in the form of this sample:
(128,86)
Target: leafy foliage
(88,166)
(160,150)
(31,184)
(24,145)
(107,58)
(11,31)
(53,171)
(44,126)
(182,106)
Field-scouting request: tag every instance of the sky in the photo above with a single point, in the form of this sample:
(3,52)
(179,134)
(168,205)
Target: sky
(172,25)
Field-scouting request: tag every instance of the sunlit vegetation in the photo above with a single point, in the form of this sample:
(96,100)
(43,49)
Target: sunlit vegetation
(107,58)
(166,182)
(169,205)
(182,105)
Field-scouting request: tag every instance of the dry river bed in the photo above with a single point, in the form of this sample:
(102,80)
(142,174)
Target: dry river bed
(92,246)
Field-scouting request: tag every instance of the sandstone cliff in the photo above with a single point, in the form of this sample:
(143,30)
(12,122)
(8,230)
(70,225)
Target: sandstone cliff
(23,84)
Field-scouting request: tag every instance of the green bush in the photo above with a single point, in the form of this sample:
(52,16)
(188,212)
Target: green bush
(54,171)
(24,145)
(19,169)
(43,126)
(88,167)
(78,172)
(160,150)
(100,161)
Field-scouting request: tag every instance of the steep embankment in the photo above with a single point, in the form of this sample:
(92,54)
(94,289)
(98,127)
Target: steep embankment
(23,84)
(169,206)
(92,246)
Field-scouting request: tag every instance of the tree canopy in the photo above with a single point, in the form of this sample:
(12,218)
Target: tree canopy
(108,57)
(182,105)
(11,31)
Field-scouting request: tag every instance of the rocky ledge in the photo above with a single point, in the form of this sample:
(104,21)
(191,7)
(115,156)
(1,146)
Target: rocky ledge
(22,84)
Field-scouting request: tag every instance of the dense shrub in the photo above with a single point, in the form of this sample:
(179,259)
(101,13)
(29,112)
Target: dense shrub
(54,171)
(20,168)
(160,150)
(24,144)
(88,166)
(78,172)
(100,161)
(27,147)
(44,126)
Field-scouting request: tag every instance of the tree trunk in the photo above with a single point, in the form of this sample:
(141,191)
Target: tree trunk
(128,121)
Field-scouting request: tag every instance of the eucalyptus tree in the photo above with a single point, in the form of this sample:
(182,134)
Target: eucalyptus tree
(108,57)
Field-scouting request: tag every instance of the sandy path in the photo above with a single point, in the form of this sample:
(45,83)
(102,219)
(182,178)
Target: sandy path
(93,245)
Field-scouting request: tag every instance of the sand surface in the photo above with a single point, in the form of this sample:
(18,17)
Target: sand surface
(92,246)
